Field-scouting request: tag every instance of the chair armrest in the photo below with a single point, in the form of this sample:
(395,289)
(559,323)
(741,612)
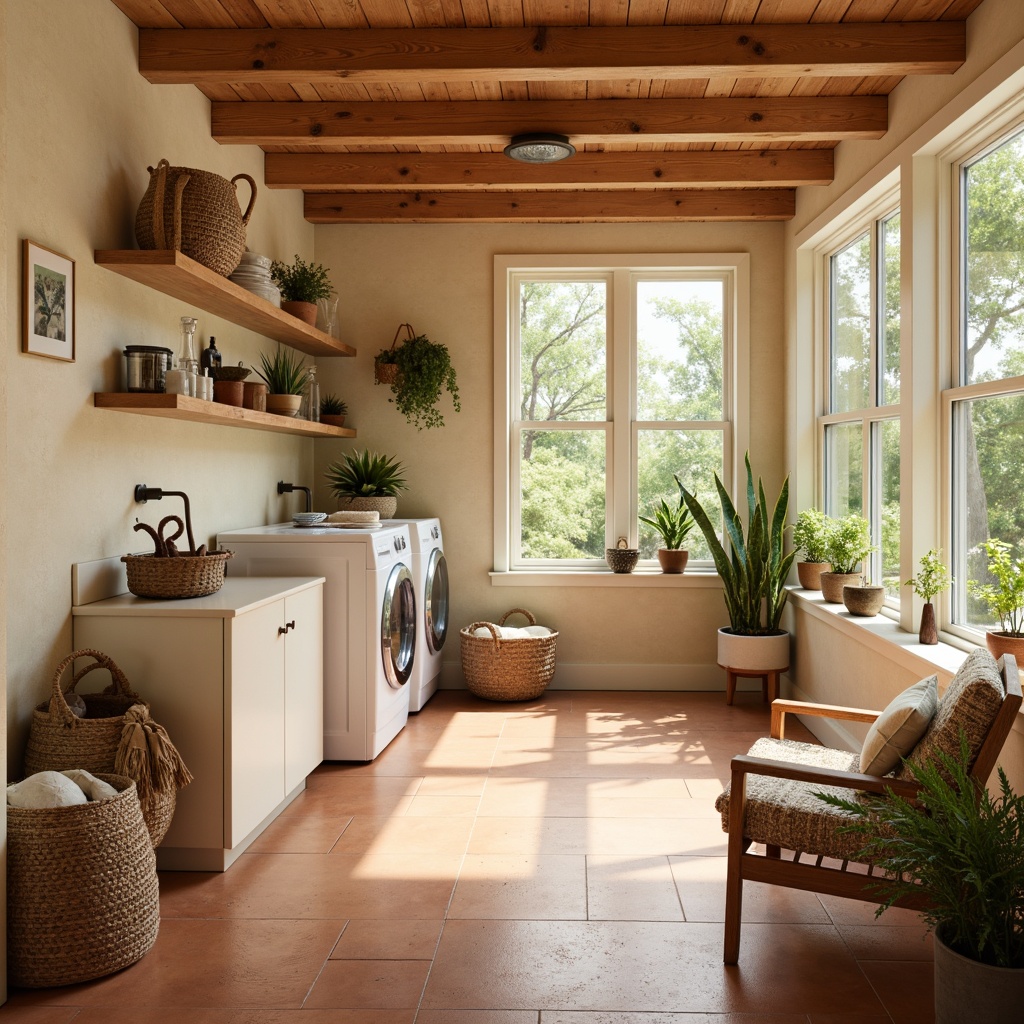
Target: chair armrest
(795,707)
(744,764)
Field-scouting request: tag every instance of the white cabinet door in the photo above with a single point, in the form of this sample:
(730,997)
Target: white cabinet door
(303,686)
(254,713)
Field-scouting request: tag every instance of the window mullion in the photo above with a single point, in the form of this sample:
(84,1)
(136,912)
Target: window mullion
(621,479)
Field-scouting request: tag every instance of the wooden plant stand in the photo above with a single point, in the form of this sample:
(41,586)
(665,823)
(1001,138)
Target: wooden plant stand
(769,681)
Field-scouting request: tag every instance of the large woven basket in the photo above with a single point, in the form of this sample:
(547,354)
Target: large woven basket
(176,578)
(515,669)
(83,899)
(195,212)
(58,739)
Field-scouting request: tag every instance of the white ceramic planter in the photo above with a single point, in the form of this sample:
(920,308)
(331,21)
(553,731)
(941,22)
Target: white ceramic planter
(753,653)
(968,992)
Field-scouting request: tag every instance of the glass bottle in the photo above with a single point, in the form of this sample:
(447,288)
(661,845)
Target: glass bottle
(211,358)
(187,356)
(313,396)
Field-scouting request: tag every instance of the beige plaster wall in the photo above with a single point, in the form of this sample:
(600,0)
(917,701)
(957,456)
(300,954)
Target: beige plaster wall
(439,278)
(5,358)
(82,126)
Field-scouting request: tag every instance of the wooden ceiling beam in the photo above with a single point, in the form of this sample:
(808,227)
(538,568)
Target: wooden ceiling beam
(495,171)
(210,56)
(549,207)
(493,122)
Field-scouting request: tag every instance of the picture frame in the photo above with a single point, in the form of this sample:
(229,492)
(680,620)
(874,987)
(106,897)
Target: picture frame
(48,302)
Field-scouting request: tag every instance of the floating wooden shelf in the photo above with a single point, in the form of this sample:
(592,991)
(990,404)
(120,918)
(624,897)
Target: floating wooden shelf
(176,274)
(181,407)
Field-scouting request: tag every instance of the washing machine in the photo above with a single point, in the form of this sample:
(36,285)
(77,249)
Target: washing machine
(369,622)
(430,580)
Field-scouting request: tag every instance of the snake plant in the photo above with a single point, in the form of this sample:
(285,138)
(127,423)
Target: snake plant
(754,570)
(672,523)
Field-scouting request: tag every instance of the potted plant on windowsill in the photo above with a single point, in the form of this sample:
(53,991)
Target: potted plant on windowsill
(810,535)
(848,545)
(367,481)
(673,525)
(753,576)
(962,850)
(933,579)
(333,410)
(302,285)
(286,376)
(1005,599)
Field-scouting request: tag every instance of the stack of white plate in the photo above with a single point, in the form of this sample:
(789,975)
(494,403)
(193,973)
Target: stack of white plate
(253,274)
(308,518)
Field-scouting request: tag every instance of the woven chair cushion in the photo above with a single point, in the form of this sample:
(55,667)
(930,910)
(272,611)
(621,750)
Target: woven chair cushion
(970,704)
(899,728)
(781,812)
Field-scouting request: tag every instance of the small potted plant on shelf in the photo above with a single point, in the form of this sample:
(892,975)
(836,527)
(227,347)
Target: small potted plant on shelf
(286,376)
(333,410)
(302,285)
(422,369)
(960,850)
(1005,599)
(810,535)
(848,544)
(753,578)
(673,525)
(933,579)
(367,481)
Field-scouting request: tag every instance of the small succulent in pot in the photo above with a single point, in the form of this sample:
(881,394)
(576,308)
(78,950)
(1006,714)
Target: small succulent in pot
(285,374)
(674,525)
(366,474)
(332,405)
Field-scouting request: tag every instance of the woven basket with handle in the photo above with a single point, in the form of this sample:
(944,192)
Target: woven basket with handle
(83,899)
(514,669)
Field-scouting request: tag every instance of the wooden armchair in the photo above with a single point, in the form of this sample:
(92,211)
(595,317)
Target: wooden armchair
(771,796)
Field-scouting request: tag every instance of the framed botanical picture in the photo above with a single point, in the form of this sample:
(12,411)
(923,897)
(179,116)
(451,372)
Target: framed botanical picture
(48,302)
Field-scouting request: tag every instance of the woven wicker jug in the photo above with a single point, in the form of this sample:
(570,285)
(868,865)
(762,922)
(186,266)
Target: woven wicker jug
(195,212)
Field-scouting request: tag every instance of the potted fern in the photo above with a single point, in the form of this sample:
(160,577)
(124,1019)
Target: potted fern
(673,525)
(422,370)
(1005,599)
(810,535)
(367,481)
(302,285)
(753,574)
(848,544)
(286,376)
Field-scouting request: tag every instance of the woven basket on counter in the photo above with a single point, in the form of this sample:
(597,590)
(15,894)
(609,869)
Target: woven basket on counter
(174,578)
(83,899)
(514,669)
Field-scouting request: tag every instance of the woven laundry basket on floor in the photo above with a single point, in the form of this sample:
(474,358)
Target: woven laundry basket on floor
(507,669)
(82,893)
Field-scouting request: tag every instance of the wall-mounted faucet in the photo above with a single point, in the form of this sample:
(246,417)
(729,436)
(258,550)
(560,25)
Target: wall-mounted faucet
(283,488)
(144,494)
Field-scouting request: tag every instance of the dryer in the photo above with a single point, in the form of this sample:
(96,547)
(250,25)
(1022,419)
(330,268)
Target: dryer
(430,579)
(369,622)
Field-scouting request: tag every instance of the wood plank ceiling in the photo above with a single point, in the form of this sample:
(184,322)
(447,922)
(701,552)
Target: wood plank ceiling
(397,111)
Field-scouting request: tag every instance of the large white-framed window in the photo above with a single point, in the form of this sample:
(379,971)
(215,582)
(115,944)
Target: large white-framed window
(612,374)
(984,408)
(859,421)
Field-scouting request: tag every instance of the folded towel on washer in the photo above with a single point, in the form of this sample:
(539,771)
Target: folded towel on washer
(371,516)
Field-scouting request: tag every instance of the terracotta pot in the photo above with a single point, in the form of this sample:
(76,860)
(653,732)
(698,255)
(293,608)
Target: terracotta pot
(284,405)
(766,653)
(228,392)
(254,395)
(809,574)
(967,991)
(305,311)
(1005,643)
(928,633)
(334,421)
(863,600)
(832,584)
(622,560)
(384,504)
(673,560)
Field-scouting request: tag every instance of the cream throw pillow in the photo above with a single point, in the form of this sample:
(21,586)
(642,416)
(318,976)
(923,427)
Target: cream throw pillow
(897,729)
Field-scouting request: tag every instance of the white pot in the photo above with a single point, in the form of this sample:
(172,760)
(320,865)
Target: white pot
(753,653)
(967,991)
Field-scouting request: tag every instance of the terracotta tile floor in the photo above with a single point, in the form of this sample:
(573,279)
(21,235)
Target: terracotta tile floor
(558,862)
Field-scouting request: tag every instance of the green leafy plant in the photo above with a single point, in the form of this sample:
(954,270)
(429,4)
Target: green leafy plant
(301,281)
(933,578)
(754,571)
(848,543)
(365,474)
(285,374)
(332,405)
(957,846)
(673,524)
(424,369)
(1005,597)
(810,534)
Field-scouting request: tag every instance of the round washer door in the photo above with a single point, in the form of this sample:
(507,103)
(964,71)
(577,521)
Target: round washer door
(435,615)
(398,627)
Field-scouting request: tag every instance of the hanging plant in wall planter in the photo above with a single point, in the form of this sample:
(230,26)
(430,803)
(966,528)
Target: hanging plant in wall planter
(418,371)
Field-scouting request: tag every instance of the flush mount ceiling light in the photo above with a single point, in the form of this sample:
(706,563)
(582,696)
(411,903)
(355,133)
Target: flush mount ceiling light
(539,148)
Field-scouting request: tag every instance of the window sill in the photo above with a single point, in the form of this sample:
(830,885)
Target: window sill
(645,577)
